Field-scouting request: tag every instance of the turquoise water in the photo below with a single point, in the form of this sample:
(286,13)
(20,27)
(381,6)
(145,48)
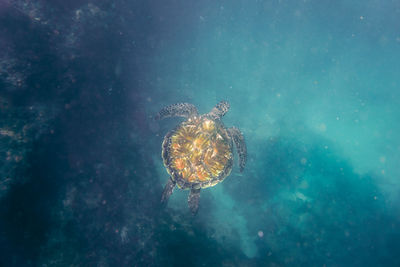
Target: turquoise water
(314,87)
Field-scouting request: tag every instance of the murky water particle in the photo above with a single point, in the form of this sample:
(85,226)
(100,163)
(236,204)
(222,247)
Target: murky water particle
(260,234)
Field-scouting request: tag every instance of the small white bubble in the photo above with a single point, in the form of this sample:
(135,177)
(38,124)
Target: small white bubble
(260,234)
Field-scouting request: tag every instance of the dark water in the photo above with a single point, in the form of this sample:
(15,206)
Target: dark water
(313,85)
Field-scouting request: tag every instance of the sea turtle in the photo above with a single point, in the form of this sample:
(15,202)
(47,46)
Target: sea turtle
(198,153)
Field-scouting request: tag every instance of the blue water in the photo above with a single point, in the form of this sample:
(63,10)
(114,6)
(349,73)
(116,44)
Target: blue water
(313,85)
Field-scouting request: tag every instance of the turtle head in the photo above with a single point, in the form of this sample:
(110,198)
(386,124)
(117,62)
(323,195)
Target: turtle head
(219,110)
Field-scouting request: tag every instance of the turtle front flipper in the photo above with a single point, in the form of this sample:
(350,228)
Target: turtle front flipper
(238,139)
(219,110)
(177,110)
(168,189)
(193,200)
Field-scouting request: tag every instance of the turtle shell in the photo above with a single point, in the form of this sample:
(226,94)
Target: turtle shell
(198,153)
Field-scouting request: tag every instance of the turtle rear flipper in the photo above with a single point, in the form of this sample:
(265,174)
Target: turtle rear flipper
(193,200)
(177,110)
(168,189)
(238,139)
